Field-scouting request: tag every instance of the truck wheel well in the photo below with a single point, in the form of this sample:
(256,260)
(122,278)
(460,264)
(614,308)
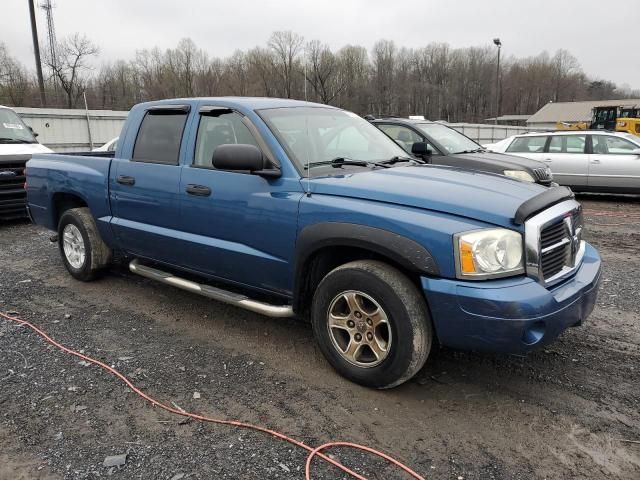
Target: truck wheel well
(323,260)
(64,201)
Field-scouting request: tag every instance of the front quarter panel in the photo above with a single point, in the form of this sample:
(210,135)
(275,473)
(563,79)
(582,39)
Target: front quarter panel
(432,230)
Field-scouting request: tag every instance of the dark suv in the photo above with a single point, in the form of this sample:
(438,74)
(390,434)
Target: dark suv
(442,145)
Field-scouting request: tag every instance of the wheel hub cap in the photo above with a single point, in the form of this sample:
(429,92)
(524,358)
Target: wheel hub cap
(359,328)
(73,246)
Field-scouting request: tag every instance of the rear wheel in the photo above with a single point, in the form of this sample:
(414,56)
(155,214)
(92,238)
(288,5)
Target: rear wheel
(372,323)
(83,252)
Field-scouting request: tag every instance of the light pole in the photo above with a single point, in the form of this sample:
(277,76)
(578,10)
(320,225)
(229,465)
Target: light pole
(498,44)
(36,52)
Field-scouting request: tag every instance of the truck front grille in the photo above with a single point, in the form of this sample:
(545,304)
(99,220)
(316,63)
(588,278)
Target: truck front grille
(554,242)
(12,194)
(542,175)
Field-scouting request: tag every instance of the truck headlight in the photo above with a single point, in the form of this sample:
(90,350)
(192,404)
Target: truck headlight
(488,253)
(520,175)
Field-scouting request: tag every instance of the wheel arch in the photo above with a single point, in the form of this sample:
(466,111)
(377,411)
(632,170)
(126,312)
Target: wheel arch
(322,247)
(63,201)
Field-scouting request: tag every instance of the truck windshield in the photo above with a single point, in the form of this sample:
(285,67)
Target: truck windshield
(450,139)
(13,129)
(316,135)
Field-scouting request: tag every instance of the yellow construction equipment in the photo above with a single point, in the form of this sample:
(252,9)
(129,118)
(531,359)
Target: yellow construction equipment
(623,118)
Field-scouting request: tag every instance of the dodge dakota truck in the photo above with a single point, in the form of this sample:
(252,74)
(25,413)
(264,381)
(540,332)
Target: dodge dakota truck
(290,208)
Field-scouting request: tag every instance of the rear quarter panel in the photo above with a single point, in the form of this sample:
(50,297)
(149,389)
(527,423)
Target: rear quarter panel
(83,176)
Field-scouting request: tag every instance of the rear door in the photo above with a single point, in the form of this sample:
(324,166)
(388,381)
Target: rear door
(145,190)
(568,159)
(612,166)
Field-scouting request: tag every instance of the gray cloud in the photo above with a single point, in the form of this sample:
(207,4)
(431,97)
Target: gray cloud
(597,33)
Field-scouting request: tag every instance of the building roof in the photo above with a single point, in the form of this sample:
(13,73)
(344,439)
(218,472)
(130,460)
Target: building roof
(575,111)
(510,118)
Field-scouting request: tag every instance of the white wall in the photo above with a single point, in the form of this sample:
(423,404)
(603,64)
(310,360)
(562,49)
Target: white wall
(66,130)
(487,133)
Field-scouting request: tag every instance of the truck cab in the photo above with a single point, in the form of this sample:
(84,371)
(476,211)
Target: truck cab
(291,208)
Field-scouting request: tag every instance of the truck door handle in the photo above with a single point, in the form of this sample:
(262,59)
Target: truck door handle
(198,190)
(125,180)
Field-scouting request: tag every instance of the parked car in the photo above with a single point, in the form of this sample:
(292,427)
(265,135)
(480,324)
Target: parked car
(109,146)
(292,208)
(591,160)
(446,146)
(17,143)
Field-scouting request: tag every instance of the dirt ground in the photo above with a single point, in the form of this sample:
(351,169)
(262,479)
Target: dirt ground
(571,410)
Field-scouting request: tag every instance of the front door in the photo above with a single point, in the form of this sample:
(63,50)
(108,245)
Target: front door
(145,190)
(612,166)
(239,227)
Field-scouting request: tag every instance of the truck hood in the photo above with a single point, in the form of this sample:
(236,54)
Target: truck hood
(501,160)
(481,196)
(22,148)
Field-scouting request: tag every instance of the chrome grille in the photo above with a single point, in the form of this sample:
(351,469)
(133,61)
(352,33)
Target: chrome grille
(554,242)
(542,174)
(12,193)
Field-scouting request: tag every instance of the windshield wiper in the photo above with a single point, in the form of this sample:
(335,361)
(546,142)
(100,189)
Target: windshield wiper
(340,161)
(398,159)
(13,140)
(477,150)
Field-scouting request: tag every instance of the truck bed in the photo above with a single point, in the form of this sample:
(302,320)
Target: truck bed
(84,175)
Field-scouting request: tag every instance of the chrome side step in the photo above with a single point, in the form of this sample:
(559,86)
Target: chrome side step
(211,292)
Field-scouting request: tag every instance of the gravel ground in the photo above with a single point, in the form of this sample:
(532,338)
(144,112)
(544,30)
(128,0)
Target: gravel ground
(562,412)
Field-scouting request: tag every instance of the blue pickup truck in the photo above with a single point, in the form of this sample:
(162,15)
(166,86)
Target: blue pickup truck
(290,208)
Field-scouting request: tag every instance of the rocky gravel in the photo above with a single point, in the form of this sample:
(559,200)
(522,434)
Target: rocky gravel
(570,410)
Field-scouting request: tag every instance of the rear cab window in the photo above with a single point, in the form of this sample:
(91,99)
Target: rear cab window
(160,136)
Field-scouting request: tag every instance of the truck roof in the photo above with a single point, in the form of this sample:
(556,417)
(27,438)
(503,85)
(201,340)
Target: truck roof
(252,103)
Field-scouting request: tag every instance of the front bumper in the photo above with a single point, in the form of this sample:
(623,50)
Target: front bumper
(511,315)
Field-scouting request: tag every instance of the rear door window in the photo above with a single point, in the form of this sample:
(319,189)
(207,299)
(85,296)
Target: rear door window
(528,144)
(160,136)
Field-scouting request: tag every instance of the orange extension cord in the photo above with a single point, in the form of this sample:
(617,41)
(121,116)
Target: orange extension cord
(313,452)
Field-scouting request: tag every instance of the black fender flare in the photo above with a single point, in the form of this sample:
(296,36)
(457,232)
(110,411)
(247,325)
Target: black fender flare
(404,251)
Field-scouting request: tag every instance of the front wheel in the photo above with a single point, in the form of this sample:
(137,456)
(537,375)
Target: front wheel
(372,323)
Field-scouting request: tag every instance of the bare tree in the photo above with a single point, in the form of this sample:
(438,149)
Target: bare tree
(70,68)
(286,47)
(323,72)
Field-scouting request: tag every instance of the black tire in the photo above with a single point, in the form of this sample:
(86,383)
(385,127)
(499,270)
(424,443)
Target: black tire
(97,254)
(408,320)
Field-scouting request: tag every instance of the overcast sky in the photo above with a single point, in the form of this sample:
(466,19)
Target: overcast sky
(587,28)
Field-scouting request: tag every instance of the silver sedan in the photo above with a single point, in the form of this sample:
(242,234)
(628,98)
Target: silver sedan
(588,160)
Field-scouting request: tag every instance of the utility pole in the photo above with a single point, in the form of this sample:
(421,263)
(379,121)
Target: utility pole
(36,51)
(498,44)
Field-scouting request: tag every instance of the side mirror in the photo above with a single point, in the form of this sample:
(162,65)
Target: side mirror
(238,157)
(35,134)
(421,149)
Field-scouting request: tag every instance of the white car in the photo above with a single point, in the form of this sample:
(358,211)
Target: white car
(16,138)
(110,146)
(585,160)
